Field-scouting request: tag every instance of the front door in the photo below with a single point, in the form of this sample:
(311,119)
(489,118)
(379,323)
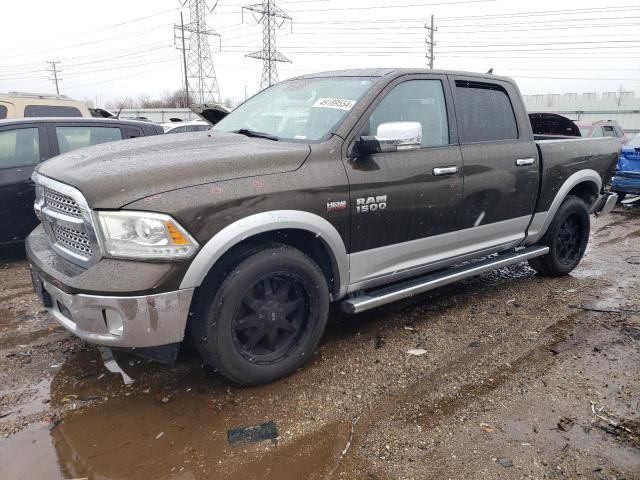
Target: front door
(405,205)
(21,148)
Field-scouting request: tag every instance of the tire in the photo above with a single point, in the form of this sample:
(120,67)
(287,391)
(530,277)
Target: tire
(266,316)
(621,197)
(567,239)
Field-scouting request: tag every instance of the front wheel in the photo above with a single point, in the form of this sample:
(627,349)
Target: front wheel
(567,239)
(266,317)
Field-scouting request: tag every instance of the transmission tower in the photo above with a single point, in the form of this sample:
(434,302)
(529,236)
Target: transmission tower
(430,41)
(272,17)
(202,83)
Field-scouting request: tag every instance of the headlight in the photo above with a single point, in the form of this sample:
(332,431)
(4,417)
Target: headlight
(144,235)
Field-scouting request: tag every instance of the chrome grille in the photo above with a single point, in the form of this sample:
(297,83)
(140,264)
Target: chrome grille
(61,203)
(76,241)
(67,219)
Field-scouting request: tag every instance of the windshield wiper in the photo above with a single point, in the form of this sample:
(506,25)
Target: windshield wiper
(253,133)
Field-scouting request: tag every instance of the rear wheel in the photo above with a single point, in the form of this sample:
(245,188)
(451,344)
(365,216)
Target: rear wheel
(567,239)
(621,197)
(265,318)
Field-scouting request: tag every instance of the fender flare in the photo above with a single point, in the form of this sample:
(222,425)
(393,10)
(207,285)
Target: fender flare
(263,222)
(542,220)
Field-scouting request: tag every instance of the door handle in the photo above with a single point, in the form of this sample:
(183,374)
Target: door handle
(438,171)
(521,162)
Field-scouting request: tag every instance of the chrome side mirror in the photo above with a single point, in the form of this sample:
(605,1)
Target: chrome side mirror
(392,137)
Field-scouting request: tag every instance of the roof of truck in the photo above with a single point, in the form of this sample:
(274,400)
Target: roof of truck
(383,72)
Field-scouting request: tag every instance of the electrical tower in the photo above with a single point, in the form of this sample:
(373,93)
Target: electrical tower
(201,81)
(430,41)
(270,15)
(54,74)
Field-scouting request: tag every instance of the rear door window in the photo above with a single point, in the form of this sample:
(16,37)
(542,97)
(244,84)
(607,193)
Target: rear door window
(597,132)
(71,138)
(19,147)
(3,111)
(484,113)
(51,111)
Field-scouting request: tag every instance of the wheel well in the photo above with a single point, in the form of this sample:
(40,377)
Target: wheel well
(303,240)
(587,191)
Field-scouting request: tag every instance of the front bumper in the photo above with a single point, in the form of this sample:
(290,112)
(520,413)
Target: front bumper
(113,303)
(127,322)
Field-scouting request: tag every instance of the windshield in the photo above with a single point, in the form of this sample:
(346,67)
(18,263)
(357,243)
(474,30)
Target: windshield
(305,109)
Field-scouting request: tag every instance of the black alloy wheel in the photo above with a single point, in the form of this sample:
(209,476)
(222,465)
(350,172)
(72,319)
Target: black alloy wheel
(271,317)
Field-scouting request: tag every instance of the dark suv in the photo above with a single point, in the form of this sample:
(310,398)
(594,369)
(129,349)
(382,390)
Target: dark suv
(24,143)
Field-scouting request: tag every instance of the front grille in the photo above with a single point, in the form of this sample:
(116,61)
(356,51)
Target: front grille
(61,203)
(73,240)
(67,220)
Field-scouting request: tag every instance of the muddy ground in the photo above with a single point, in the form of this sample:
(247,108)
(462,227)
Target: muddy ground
(523,377)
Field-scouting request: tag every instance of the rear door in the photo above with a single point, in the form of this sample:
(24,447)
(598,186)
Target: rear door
(22,147)
(501,170)
(405,205)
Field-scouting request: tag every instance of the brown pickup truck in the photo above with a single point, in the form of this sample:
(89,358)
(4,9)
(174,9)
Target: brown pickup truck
(357,187)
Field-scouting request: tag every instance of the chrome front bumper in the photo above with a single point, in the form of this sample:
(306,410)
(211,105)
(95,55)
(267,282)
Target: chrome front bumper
(128,322)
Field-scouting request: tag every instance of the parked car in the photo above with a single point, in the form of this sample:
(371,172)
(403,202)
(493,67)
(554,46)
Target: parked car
(357,187)
(30,105)
(26,143)
(601,128)
(183,127)
(627,177)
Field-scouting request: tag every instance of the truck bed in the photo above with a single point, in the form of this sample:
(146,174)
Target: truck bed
(561,157)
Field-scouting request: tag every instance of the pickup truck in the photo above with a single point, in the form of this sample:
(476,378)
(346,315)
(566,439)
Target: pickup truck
(356,187)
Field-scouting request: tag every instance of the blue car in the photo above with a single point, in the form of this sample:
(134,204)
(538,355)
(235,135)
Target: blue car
(627,177)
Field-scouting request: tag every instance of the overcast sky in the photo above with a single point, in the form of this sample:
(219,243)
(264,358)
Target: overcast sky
(124,48)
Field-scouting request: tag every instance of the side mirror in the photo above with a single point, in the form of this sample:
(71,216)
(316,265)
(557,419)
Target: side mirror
(392,137)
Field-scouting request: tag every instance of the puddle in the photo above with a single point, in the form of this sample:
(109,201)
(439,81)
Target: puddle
(140,437)
(30,455)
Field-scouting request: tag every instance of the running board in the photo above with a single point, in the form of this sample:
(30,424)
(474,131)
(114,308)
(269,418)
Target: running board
(376,297)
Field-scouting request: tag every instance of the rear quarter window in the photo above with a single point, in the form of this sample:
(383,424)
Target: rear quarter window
(484,112)
(51,111)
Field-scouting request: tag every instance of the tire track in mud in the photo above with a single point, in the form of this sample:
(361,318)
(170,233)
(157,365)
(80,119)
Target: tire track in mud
(534,361)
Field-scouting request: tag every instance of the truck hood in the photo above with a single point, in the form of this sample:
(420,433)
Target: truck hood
(112,175)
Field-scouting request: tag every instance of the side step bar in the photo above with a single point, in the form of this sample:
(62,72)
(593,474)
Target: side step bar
(374,298)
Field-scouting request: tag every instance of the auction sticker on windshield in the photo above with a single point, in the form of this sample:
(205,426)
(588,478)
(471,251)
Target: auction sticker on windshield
(339,103)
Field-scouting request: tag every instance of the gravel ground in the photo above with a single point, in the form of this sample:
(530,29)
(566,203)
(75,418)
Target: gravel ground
(523,377)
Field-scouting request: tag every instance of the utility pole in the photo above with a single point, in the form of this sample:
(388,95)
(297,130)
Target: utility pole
(54,71)
(184,60)
(430,41)
(269,14)
(201,84)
